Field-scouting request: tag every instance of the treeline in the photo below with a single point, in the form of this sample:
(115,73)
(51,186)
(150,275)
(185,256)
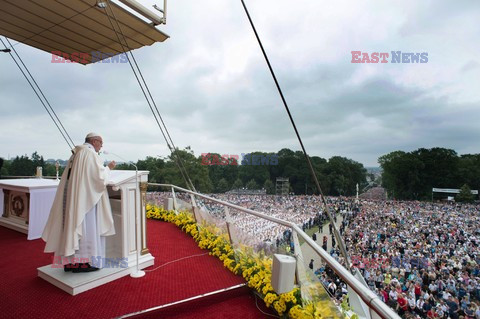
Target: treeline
(27,166)
(257,170)
(217,173)
(412,175)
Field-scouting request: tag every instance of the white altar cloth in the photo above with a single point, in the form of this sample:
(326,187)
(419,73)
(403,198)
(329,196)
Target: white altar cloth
(42,192)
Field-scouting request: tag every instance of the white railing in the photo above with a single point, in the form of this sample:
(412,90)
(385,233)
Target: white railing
(377,307)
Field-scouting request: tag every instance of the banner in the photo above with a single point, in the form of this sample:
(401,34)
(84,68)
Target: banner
(451,191)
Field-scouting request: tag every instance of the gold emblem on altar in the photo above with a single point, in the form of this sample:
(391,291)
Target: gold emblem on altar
(18,206)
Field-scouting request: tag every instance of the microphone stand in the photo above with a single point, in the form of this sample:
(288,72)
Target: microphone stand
(138,273)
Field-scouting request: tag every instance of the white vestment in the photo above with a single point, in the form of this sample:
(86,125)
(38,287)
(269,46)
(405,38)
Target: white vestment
(79,221)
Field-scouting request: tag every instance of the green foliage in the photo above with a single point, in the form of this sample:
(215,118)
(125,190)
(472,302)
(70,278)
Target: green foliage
(413,175)
(37,160)
(269,187)
(251,184)
(3,166)
(22,166)
(220,168)
(465,195)
(237,184)
(440,167)
(125,166)
(256,166)
(402,175)
(215,173)
(197,172)
(343,174)
(154,165)
(222,186)
(51,170)
(4,170)
(25,166)
(469,170)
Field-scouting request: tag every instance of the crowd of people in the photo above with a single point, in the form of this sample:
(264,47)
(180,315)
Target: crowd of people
(421,258)
(301,210)
(304,211)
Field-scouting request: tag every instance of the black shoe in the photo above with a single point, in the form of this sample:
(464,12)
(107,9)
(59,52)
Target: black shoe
(84,268)
(69,267)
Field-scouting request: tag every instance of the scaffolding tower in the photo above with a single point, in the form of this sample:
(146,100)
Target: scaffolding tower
(282,186)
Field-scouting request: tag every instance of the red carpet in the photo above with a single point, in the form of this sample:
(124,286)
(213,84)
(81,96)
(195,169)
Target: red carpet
(24,295)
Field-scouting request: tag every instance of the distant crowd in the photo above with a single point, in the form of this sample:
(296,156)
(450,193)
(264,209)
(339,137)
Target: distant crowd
(305,211)
(422,259)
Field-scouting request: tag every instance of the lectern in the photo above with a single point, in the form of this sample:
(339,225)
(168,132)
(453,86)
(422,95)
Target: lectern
(127,199)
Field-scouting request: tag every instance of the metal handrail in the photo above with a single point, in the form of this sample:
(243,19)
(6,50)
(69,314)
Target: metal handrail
(368,296)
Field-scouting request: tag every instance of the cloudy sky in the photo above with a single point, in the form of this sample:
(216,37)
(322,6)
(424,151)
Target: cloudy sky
(215,93)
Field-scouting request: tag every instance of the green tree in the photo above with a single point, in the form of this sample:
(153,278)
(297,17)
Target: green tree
(252,184)
(343,175)
(4,170)
(319,165)
(22,166)
(465,195)
(51,170)
(197,172)
(293,166)
(388,163)
(413,175)
(255,166)
(25,166)
(403,174)
(154,165)
(222,186)
(469,170)
(269,187)
(440,169)
(220,167)
(237,184)
(125,166)
(37,160)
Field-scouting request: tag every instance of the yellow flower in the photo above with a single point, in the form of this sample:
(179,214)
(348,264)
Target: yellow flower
(270,298)
(255,267)
(295,312)
(267,288)
(280,307)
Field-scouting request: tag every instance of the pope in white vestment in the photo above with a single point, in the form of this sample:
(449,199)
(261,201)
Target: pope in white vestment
(81,215)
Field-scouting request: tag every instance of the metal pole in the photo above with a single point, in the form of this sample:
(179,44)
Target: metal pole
(139,8)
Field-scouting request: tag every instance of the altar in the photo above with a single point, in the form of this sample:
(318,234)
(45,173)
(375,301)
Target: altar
(127,192)
(25,204)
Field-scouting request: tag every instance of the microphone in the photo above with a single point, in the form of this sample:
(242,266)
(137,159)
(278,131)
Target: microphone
(114,164)
(120,158)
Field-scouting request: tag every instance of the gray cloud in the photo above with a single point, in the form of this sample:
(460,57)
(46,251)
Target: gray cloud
(215,92)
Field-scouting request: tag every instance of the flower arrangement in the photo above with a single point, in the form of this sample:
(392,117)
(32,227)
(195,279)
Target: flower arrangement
(255,268)
(346,309)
